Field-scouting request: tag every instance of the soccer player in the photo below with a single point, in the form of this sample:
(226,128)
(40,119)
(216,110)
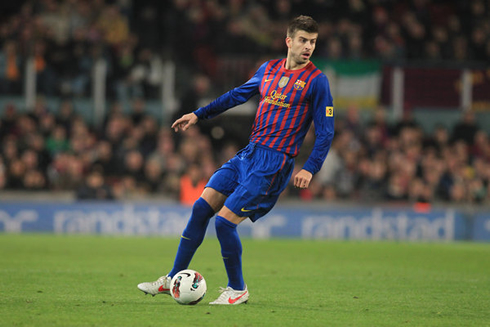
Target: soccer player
(293,93)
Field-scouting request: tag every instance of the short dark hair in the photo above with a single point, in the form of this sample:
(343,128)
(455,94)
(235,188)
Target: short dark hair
(302,23)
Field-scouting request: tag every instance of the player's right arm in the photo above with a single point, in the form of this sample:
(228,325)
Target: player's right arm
(232,98)
(184,122)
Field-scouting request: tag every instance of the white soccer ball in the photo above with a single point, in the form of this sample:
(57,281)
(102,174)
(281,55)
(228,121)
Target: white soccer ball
(188,287)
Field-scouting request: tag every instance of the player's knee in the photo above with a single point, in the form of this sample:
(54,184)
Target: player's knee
(223,224)
(213,198)
(201,205)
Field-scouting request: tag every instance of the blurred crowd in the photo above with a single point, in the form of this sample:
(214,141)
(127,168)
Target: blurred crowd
(131,156)
(377,161)
(66,38)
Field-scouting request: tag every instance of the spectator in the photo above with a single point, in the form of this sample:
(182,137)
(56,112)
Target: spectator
(466,128)
(192,184)
(146,75)
(57,142)
(114,26)
(164,149)
(66,115)
(481,146)
(148,142)
(46,79)
(95,188)
(9,120)
(3,175)
(10,151)
(138,110)
(34,180)
(47,124)
(10,69)
(372,182)
(15,174)
(153,176)
(103,158)
(123,61)
(200,88)
(134,166)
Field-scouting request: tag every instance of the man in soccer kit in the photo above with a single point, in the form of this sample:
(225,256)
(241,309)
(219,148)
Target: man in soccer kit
(293,93)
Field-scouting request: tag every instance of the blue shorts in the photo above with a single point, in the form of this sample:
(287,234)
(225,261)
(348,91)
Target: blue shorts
(253,180)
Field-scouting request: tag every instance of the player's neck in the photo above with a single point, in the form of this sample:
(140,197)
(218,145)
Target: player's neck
(293,65)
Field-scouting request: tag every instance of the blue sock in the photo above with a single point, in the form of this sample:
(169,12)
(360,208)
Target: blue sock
(193,235)
(231,250)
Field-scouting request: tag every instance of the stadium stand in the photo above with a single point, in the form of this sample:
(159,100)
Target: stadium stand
(45,148)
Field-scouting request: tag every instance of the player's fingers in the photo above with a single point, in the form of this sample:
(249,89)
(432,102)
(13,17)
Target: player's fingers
(304,183)
(175,125)
(184,126)
(178,124)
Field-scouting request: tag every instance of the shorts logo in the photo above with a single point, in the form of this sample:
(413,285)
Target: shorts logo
(245,210)
(299,85)
(283,81)
(329,112)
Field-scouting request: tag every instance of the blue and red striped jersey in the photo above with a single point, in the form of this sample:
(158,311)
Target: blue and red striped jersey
(289,101)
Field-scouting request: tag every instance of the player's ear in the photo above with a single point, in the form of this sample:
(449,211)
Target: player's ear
(288,41)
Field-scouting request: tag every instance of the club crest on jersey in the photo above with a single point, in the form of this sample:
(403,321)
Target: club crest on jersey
(283,81)
(299,85)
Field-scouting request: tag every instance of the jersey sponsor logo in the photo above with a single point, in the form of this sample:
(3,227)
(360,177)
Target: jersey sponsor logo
(277,99)
(283,81)
(299,85)
(329,111)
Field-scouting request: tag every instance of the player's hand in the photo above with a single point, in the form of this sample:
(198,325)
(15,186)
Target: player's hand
(184,122)
(302,179)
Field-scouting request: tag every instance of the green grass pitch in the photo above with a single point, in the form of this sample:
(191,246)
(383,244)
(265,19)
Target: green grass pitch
(48,280)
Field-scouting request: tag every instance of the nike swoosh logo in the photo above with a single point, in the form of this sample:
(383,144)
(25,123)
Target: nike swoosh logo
(268,80)
(231,301)
(245,210)
(161,289)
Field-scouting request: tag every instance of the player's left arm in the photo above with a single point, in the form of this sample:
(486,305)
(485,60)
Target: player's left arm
(323,117)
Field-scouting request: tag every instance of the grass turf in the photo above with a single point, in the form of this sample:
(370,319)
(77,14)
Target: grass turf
(48,280)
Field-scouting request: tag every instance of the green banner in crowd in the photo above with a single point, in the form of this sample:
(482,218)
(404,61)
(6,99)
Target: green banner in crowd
(353,82)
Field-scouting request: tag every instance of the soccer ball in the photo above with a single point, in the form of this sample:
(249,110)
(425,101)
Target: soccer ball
(188,287)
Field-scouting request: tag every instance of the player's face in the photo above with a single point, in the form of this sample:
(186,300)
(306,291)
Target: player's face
(301,46)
